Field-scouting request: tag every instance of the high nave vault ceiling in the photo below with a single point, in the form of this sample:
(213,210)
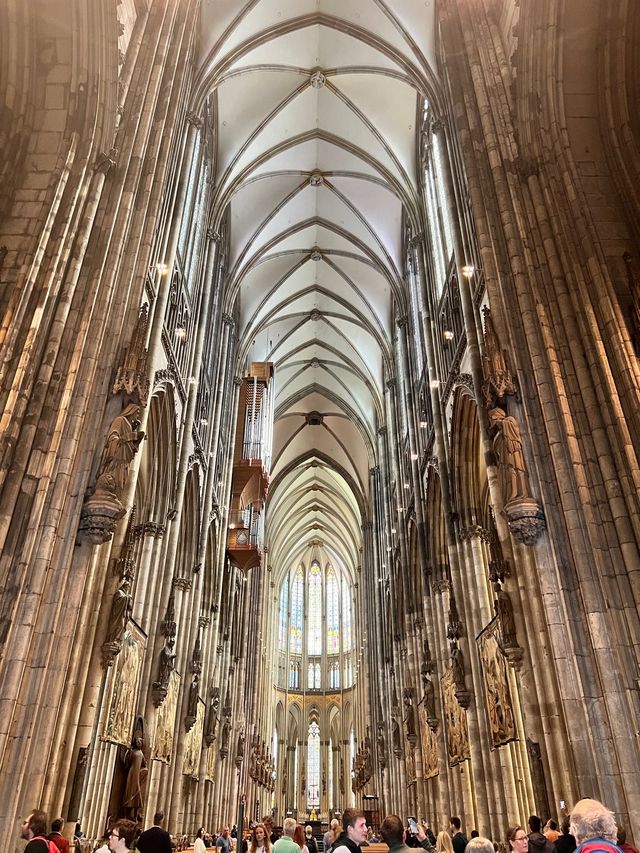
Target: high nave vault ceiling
(316,108)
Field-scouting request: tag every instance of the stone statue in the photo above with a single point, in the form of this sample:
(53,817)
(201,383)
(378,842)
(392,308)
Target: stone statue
(507,445)
(429,698)
(396,737)
(134,793)
(504,612)
(192,706)
(381,746)
(240,749)
(120,612)
(122,443)
(410,719)
(224,737)
(457,665)
(167,660)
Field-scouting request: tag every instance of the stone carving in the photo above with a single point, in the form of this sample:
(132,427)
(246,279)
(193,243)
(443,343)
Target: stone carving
(103,508)
(498,381)
(497,692)
(381,747)
(410,718)
(167,652)
(192,705)
(457,669)
(240,750)
(224,737)
(132,377)
(118,618)
(396,738)
(135,789)
(526,519)
(507,445)
(124,679)
(317,79)
(213,718)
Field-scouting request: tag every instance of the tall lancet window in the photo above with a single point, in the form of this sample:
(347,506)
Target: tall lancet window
(314,642)
(333,613)
(297,613)
(313,765)
(315,627)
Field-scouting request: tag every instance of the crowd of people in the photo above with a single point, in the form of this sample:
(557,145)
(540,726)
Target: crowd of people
(590,828)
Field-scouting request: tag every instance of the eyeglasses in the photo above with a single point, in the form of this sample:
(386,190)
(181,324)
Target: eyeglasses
(113,835)
(522,838)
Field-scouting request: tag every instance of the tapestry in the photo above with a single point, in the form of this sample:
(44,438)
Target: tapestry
(429,747)
(457,730)
(124,677)
(410,764)
(193,744)
(210,764)
(495,679)
(166,721)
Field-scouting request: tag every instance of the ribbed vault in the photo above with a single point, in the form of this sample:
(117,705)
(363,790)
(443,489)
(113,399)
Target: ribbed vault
(316,105)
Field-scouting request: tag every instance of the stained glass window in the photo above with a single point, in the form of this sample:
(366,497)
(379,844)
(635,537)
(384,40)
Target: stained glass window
(313,765)
(346,617)
(333,613)
(282,625)
(314,641)
(297,608)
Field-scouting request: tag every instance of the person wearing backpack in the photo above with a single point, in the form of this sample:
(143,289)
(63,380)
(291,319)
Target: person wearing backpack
(594,827)
(34,830)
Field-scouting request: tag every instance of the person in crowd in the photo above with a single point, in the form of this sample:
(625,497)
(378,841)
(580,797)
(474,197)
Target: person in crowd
(480,845)
(198,844)
(286,844)
(300,840)
(331,835)
(517,840)
(475,834)
(354,832)
(537,842)
(394,834)
(224,840)
(623,844)
(566,842)
(444,843)
(155,839)
(103,844)
(594,827)
(57,837)
(458,838)
(260,842)
(122,836)
(267,822)
(34,831)
(311,843)
(551,831)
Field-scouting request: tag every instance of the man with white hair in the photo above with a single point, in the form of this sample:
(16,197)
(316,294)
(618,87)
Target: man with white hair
(594,827)
(286,844)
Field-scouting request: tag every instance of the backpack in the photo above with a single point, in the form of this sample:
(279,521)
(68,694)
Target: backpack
(53,847)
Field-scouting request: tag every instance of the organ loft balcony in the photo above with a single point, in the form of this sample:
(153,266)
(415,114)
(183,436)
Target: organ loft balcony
(251,466)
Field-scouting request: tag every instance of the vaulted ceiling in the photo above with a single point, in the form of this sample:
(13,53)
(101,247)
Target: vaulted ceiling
(317,105)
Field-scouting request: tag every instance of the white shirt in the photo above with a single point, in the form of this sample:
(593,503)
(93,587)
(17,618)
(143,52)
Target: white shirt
(199,847)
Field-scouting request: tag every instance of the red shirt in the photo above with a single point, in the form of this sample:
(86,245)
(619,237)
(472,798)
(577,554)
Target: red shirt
(60,841)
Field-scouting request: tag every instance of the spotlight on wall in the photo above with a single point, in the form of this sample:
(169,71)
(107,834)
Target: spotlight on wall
(423,424)
(468,270)
(447,335)
(180,332)
(162,268)
(435,383)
